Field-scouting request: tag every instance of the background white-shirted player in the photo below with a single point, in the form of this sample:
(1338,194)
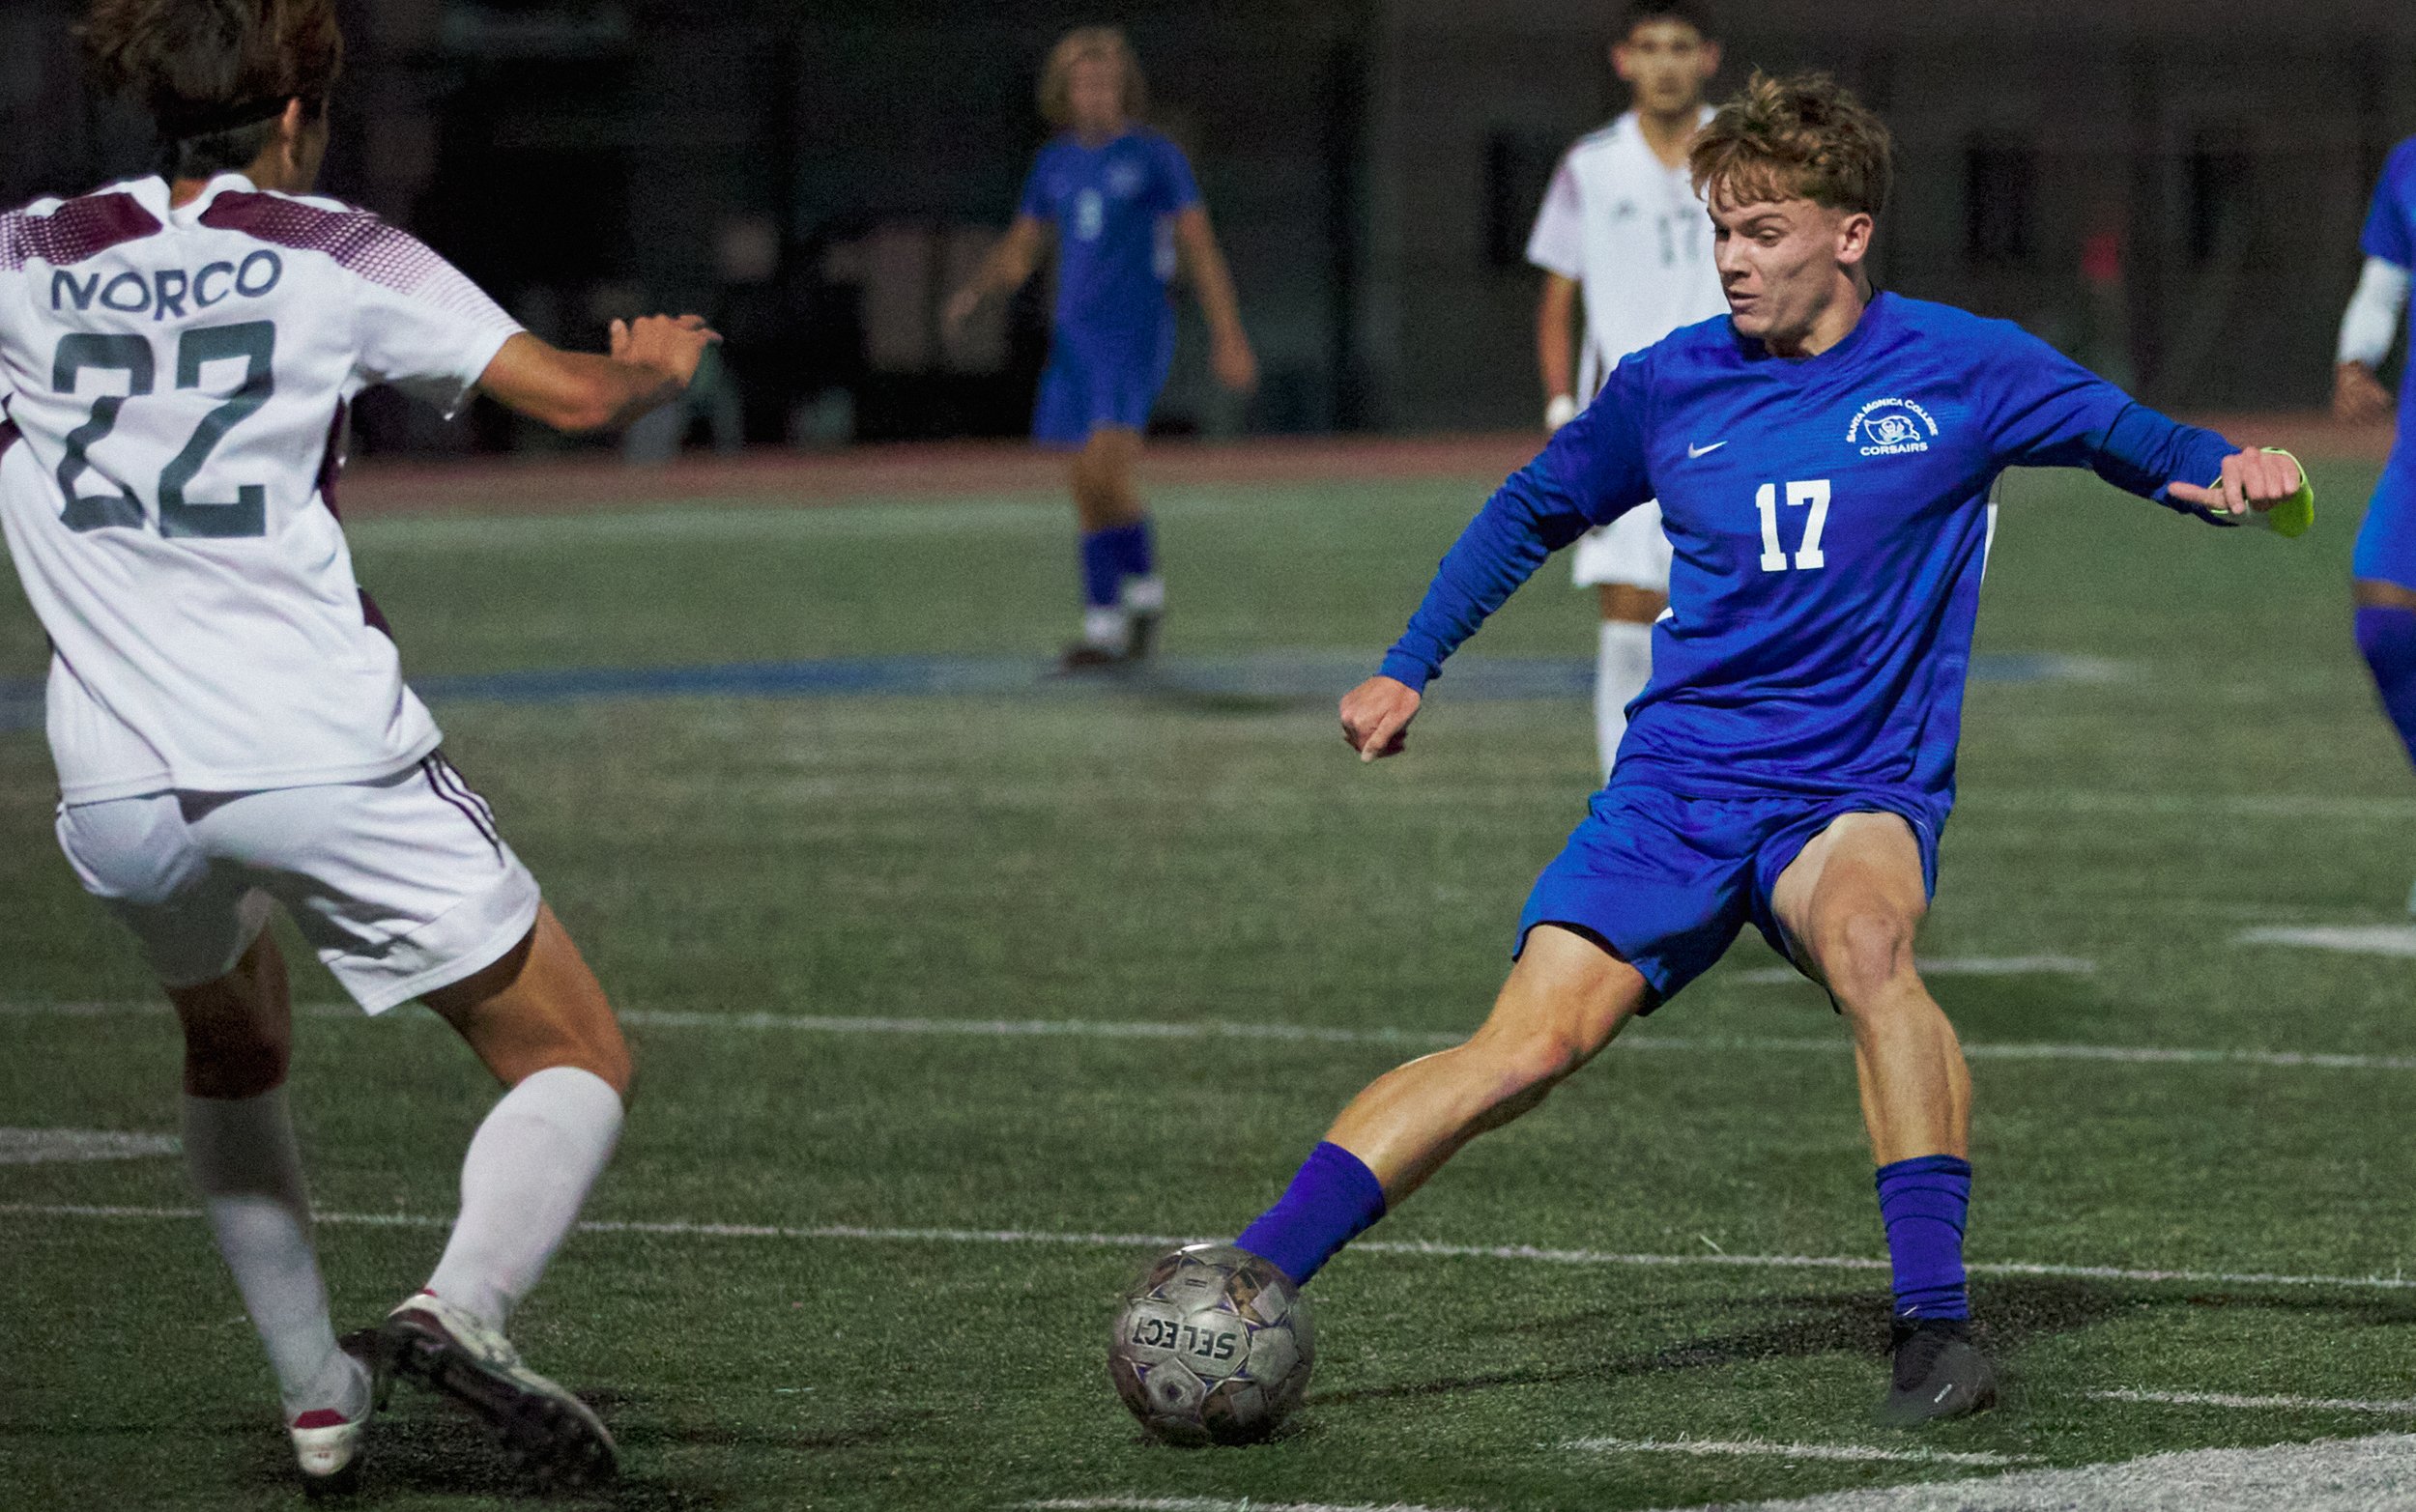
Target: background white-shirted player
(1622,223)
(229,722)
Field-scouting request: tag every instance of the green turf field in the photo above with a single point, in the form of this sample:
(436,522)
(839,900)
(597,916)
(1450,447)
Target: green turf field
(1169,856)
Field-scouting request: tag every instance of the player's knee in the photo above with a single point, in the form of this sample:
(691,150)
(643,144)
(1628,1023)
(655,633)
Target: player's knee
(1865,952)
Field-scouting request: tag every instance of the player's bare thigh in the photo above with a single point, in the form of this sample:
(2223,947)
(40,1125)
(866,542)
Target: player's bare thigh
(1104,492)
(1629,604)
(537,1006)
(2374,593)
(1852,900)
(1564,1000)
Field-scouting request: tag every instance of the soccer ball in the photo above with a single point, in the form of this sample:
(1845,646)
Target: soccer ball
(1211,1346)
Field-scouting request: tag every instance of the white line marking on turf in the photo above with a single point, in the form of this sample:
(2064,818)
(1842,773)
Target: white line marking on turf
(1213,1504)
(1949,966)
(2374,939)
(1422,1249)
(1854,1452)
(1218,1029)
(2328,1476)
(2399,1406)
(44,1146)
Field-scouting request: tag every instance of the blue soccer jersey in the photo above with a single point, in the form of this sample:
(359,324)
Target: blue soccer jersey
(2391,235)
(1830,522)
(2386,542)
(1113,207)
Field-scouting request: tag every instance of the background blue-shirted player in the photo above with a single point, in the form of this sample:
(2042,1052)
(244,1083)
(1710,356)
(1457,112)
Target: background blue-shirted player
(1126,213)
(1824,457)
(2383,572)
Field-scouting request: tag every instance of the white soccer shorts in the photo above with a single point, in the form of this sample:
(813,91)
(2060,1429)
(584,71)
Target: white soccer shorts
(401,884)
(1630,550)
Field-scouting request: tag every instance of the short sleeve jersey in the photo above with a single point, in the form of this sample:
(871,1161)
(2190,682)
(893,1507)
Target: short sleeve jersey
(176,382)
(2391,235)
(1113,207)
(1830,522)
(1632,233)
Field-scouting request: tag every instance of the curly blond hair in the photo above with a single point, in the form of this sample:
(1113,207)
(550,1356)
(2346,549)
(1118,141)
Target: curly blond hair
(1803,136)
(1083,45)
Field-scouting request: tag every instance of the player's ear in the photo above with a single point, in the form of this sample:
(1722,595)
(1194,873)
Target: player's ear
(1708,60)
(1853,237)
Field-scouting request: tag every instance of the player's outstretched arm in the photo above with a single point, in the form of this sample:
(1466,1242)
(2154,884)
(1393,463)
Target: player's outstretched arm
(1236,366)
(652,361)
(1376,716)
(1003,269)
(1556,348)
(2254,480)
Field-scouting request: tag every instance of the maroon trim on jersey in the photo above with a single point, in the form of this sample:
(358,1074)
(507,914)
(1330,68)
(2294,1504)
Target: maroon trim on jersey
(373,615)
(332,461)
(77,230)
(357,239)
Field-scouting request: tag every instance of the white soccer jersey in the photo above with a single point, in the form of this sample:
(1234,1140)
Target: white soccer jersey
(175,384)
(1635,237)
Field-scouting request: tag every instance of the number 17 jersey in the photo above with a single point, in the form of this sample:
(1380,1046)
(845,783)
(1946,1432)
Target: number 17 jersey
(176,380)
(1829,524)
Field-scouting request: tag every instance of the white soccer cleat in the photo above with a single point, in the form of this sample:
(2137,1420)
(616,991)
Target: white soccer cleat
(545,1432)
(328,1446)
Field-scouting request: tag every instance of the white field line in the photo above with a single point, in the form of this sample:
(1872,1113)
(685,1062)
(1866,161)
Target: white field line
(1218,1029)
(2329,1475)
(1416,1248)
(2374,939)
(1759,1447)
(1948,966)
(46,1146)
(2387,1407)
(1114,1504)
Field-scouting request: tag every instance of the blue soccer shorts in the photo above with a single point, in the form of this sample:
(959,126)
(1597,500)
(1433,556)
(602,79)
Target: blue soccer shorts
(1666,883)
(1096,380)
(2386,543)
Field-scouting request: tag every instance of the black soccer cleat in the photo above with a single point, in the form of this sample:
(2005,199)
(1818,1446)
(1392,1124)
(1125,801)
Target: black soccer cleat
(546,1434)
(1141,635)
(1085,656)
(1937,1374)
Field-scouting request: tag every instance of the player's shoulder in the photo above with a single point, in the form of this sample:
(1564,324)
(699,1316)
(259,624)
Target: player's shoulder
(1952,324)
(2399,166)
(64,230)
(1599,145)
(1157,143)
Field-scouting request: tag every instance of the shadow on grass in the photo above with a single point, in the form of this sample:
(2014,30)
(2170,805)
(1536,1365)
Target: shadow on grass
(2010,1315)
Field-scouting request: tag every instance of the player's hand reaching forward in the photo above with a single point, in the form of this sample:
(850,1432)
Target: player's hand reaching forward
(1376,716)
(2252,480)
(669,344)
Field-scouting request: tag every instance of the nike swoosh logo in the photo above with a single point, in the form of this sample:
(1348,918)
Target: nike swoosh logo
(1693,451)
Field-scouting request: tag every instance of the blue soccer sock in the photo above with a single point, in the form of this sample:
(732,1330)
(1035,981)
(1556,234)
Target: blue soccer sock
(1923,1202)
(2387,636)
(1103,568)
(1135,546)
(1333,1200)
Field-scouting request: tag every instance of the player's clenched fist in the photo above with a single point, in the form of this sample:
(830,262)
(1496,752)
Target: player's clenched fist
(668,343)
(1376,716)
(2251,480)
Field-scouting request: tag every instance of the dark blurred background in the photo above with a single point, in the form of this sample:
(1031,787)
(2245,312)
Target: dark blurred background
(2170,189)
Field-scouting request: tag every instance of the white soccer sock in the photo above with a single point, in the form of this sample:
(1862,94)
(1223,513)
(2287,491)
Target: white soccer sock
(240,1155)
(1107,628)
(521,1184)
(1620,669)
(1145,595)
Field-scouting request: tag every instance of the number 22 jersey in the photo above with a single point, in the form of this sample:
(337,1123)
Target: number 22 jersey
(1829,524)
(176,380)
